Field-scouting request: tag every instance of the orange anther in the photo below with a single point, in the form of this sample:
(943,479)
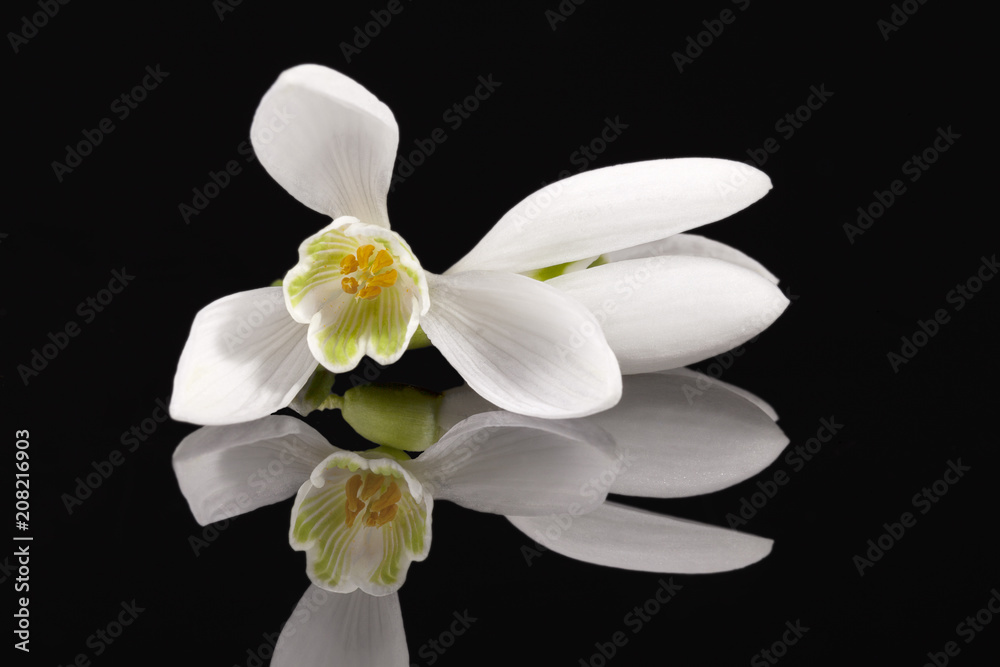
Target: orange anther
(382,260)
(364,254)
(369,292)
(348,265)
(349,285)
(387,279)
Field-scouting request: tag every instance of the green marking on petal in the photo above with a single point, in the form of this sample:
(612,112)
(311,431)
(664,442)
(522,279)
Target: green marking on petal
(350,545)
(557,270)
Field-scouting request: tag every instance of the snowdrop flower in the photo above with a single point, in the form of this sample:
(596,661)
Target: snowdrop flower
(358,289)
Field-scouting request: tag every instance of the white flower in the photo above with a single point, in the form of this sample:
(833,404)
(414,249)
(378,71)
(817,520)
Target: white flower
(658,297)
(359,290)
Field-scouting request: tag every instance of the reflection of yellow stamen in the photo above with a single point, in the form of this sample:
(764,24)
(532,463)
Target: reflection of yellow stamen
(369,292)
(348,265)
(387,499)
(387,279)
(364,254)
(352,504)
(378,519)
(382,260)
(372,484)
(350,285)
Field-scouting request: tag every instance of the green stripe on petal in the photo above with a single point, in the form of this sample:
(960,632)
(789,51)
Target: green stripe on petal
(342,557)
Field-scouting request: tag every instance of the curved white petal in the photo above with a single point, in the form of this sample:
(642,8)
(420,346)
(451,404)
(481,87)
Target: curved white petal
(522,344)
(678,440)
(694,246)
(343,629)
(665,312)
(701,381)
(612,208)
(244,358)
(224,471)
(328,141)
(506,463)
(633,539)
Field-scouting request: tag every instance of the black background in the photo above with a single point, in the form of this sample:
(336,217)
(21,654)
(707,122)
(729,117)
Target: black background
(826,357)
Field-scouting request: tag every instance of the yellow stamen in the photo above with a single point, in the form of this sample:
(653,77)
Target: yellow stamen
(372,484)
(387,279)
(349,285)
(364,254)
(369,292)
(387,499)
(348,265)
(382,260)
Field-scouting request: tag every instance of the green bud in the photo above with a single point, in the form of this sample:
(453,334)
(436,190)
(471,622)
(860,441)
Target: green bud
(394,415)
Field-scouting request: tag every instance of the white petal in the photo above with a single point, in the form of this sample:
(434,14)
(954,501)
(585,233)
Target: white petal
(343,629)
(224,471)
(328,141)
(701,381)
(616,207)
(522,344)
(244,358)
(505,463)
(694,246)
(633,539)
(666,312)
(677,439)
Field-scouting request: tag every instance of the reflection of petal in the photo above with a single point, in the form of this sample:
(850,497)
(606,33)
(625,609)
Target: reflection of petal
(676,442)
(506,463)
(522,344)
(665,312)
(328,141)
(700,381)
(613,208)
(228,470)
(244,358)
(347,630)
(633,539)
